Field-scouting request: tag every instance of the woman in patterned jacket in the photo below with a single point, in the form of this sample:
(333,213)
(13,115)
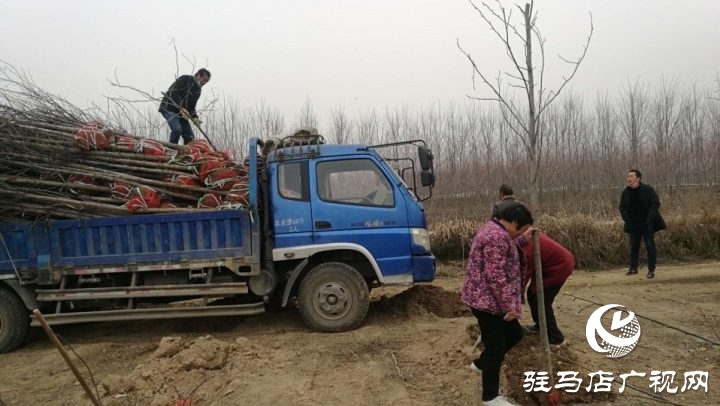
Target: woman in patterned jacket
(493,289)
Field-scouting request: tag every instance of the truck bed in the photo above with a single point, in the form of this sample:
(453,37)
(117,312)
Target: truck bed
(133,242)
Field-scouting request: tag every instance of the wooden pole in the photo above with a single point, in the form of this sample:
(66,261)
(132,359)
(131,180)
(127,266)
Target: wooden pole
(53,338)
(546,355)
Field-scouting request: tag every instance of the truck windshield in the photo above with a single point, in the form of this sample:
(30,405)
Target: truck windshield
(399,179)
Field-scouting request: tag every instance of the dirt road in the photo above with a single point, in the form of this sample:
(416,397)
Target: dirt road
(413,349)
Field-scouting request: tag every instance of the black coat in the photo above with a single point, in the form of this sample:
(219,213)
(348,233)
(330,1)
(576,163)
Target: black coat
(184,92)
(652,206)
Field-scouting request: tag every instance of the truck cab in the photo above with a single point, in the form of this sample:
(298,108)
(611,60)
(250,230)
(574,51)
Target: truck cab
(345,216)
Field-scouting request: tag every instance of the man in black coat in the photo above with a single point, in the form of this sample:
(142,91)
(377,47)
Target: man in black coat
(506,198)
(179,102)
(640,210)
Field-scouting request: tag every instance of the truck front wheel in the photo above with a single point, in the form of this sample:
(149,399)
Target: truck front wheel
(14,321)
(333,297)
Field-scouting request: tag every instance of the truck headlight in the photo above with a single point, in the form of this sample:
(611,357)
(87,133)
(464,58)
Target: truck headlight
(421,237)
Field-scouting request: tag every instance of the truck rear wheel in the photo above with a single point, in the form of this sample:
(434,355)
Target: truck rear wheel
(333,297)
(14,321)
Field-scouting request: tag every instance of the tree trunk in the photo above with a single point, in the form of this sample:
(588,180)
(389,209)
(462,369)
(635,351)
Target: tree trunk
(533,156)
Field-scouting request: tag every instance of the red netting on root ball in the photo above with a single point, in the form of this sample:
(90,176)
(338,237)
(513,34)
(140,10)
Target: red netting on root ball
(142,197)
(120,190)
(185,156)
(81,180)
(208,166)
(184,180)
(127,142)
(209,201)
(221,178)
(90,138)
(200,146)
(239,193)
(150,147)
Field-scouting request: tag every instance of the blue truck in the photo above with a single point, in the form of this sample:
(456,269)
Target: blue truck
(324,225)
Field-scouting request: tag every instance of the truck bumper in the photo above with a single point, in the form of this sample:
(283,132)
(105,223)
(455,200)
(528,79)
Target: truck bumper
(423,268)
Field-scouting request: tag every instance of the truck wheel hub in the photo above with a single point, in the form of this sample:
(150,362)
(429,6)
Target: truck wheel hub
(333,301)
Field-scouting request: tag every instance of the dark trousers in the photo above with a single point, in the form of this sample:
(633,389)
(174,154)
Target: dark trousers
(178,127)
(636,235)
(555,336)
(498,337)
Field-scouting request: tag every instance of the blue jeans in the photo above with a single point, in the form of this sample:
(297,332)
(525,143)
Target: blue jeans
(178,127)
(638,232)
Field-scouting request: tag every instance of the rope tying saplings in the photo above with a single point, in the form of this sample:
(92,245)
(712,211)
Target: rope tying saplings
(57,161)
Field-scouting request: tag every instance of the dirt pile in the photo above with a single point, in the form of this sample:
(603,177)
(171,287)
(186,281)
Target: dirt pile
(196,369)
(421,300)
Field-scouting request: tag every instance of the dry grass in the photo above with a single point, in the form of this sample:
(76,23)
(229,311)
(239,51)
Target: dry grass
(693,233)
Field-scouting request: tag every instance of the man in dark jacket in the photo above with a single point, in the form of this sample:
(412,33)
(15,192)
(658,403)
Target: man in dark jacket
(179,103)
(640,210)
(557,264)
(505,200)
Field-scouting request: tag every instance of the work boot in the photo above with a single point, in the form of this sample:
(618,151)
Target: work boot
(632,271)
(651,273)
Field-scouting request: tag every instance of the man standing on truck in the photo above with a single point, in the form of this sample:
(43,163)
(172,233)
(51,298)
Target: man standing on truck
(178,104)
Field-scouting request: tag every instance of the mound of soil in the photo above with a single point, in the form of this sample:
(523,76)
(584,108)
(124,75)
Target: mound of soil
(180,369)
(527,356)
(423,299)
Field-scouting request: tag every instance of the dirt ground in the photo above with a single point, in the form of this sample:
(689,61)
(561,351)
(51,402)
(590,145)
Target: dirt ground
(413,349)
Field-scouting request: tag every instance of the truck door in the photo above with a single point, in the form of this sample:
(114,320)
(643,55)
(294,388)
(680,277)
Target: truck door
(354,201)
(290,196)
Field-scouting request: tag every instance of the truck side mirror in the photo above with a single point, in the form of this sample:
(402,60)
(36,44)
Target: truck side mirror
(426,157)
(427,178)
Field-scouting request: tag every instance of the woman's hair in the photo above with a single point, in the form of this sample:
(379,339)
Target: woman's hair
(518,213)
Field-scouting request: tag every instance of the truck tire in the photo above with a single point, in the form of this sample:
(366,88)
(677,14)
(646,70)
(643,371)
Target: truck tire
(333,297)
(14,321)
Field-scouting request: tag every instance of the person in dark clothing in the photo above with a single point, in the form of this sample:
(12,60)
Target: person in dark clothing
(640,210)
(505,199)
(179,102)
(557,264)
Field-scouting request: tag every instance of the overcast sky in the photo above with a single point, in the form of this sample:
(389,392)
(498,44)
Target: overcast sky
(361,53)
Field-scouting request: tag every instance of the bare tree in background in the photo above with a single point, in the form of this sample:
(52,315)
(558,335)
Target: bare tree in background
(665,125)
(368,128)
(306,117)
(633,118)
(524,123)
(713,112)
(692,160)
(341,124)
(607,150)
